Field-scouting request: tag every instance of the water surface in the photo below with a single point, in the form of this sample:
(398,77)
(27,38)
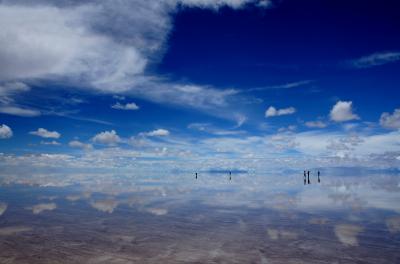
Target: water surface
(176,218)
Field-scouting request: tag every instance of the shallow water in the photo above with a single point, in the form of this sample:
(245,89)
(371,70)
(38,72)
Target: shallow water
(176,218)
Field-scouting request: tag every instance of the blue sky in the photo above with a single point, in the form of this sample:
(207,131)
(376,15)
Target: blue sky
(215,84)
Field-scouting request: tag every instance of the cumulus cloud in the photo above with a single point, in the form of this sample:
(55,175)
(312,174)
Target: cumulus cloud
(78,144)
(316,124)
(272,111)
(158,133)
(343,111)
(127,106)
(44,133)
(5,132)
(390,121)
(107,138)
(376,59)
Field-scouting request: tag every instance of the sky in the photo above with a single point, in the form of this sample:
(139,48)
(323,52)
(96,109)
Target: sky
(198,84)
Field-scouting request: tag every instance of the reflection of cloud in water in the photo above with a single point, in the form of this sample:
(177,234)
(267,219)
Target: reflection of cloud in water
(106,206)
(157,211)
(50,198)
(393,224)
(37,209)
(73,198)
(12,230)
(347,234)
(3,208)
(318,221)
(275,234)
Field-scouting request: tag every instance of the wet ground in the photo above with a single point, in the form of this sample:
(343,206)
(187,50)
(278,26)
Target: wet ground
(175,218)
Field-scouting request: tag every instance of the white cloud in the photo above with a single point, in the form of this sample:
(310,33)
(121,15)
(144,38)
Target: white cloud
(54,143)
(127,106)
(19,111)
(342,111)
(8,92)
(9,89)
(5,132)
(316,124)
(391,121)
(209,128)
(44,133)
(158,133)
(107,138)
(102,45)
(215,4)
(272,111)
(376,59)
(78,144)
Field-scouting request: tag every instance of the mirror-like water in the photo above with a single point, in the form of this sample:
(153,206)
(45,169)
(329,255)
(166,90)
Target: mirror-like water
(216,218)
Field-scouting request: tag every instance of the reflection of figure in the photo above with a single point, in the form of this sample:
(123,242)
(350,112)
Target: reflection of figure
(304,180)
(196,175)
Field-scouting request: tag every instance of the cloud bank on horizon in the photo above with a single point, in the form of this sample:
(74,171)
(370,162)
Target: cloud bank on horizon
(94,84)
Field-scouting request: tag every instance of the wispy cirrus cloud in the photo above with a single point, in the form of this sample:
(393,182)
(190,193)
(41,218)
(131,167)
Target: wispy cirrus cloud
(375,59)
(19,111)
(99,45)
(281,86)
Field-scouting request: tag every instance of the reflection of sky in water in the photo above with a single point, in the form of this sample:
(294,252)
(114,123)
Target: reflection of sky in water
(256,218)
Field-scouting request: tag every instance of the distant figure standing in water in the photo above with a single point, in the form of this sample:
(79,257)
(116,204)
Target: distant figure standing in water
(230,175)
(318,177)
(196,175)
(308,177)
